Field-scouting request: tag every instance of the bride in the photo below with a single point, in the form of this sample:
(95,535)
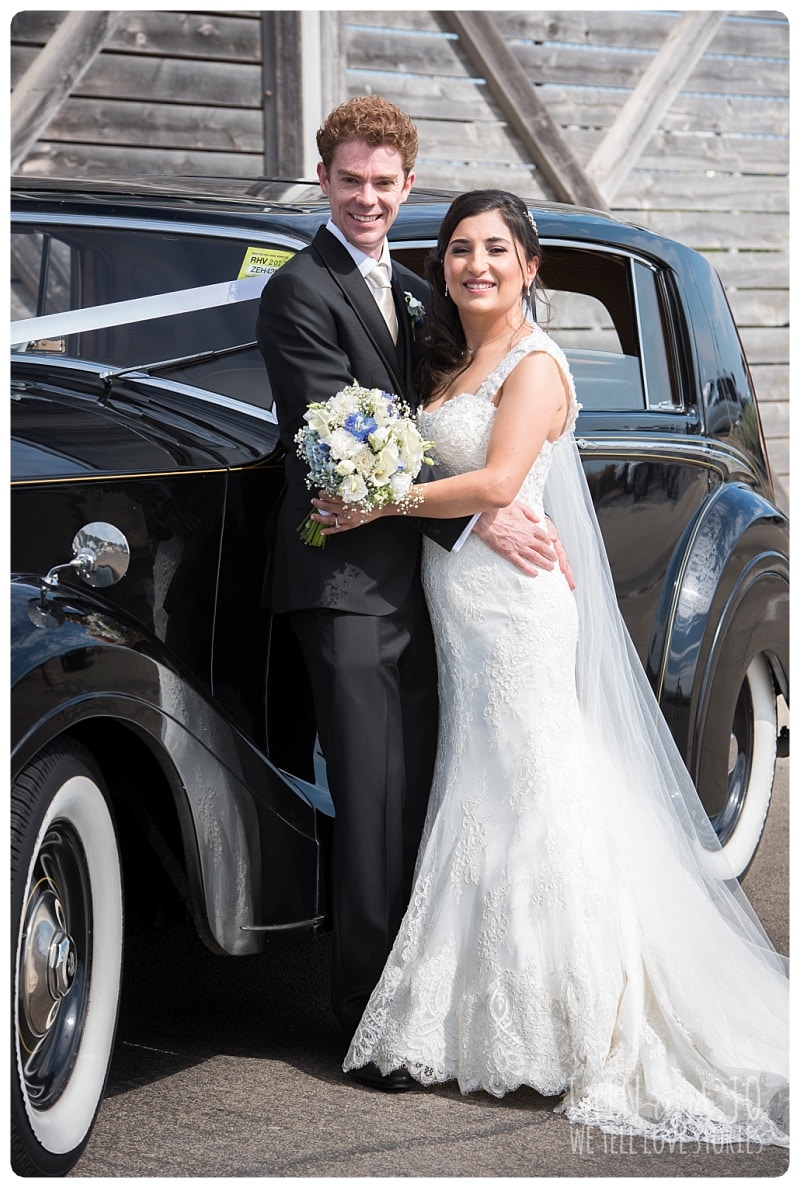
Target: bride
(573,926)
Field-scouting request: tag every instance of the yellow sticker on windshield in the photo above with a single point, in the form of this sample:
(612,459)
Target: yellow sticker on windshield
(263,261)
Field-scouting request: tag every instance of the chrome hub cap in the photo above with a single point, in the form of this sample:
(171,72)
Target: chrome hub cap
(49,961)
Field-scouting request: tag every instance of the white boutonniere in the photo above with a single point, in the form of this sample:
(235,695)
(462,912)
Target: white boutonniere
(416,311)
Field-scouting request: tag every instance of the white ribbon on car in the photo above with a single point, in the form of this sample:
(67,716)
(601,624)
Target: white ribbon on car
(137,309)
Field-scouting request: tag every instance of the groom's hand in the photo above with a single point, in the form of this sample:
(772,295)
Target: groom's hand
(519,535)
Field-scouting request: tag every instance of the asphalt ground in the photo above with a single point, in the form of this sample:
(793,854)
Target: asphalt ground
(228,1067)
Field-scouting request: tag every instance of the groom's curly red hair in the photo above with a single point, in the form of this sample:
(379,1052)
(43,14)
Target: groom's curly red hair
(373,120)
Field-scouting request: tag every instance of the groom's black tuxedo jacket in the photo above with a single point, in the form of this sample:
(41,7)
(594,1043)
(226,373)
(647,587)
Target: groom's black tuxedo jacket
(319,329)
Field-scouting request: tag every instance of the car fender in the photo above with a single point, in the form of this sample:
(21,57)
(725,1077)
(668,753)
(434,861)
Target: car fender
(728,586)
(241,821)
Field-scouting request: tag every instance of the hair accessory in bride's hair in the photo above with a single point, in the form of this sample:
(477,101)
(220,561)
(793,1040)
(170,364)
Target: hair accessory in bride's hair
(532,221)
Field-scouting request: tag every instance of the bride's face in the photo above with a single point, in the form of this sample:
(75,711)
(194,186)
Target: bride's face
(484,266)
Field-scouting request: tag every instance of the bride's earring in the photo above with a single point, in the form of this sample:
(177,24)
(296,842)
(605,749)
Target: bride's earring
(446,290)
(530,298)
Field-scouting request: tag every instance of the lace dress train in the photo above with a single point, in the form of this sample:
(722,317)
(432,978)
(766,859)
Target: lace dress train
(556,937)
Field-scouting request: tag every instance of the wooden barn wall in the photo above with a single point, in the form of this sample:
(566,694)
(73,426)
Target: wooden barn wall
(181,92)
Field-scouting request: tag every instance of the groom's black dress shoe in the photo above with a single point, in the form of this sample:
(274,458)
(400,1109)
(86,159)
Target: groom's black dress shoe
(397,1081)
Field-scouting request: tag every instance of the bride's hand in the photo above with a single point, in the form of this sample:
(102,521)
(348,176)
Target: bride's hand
(336,516)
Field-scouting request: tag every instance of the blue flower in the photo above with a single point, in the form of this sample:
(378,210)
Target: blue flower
(360,426)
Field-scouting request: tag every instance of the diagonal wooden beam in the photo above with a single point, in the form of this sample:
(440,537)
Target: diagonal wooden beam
(663,79)
(53,74)
(483,44)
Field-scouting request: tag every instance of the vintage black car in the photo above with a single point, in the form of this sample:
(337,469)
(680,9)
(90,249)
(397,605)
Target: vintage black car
(164,756)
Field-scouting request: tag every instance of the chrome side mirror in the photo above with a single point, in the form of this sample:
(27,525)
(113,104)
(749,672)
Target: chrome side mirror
(101,556)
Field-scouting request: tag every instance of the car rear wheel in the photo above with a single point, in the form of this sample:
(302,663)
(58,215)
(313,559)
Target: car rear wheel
(67,937)
(736,775)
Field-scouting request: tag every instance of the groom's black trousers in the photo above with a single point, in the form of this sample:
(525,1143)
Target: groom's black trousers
(374,682)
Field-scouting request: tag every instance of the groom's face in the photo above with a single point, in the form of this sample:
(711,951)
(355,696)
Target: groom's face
(365,187)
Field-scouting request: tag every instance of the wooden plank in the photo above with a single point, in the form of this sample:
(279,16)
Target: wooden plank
(708,231)
(450,175)
(170,80)
(166,125)
(663,79)
(726,192)
(427,54)
(58,160)
(207,36)
(779,460)
(524,111)
(487,143)
(765,344)
(57,69)
(771,383)
(782,490)
(759,307)
(214,36)
(701,152)
(774,417)
(459,99)
(752,270)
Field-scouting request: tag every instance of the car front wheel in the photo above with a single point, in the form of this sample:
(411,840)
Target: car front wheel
(737,764)
(67,938)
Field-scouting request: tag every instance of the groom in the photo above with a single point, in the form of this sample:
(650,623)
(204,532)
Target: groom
(356,605)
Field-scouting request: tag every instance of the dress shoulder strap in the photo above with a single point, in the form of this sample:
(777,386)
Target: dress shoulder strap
(537,341)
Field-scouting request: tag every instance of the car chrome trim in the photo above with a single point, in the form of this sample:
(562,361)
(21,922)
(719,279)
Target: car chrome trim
(312,922)
(117,476)
(665,450)
(208,230)
(207,395)
(722,457)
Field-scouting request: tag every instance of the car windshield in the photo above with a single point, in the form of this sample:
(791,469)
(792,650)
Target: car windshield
(139,298)
(180,293)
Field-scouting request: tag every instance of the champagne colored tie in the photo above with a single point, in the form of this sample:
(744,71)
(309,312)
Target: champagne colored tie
(382,289)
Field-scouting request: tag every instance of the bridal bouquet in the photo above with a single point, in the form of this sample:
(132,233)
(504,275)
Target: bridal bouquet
(362,445)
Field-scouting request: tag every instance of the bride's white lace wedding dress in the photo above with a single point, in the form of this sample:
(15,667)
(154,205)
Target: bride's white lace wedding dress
(563,932)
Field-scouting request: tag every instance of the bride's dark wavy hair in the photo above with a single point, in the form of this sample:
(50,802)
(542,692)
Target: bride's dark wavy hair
(444,350)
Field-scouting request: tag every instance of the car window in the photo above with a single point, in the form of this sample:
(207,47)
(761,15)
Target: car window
(601,306)
(64,268)
(589,307)
(80,268)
